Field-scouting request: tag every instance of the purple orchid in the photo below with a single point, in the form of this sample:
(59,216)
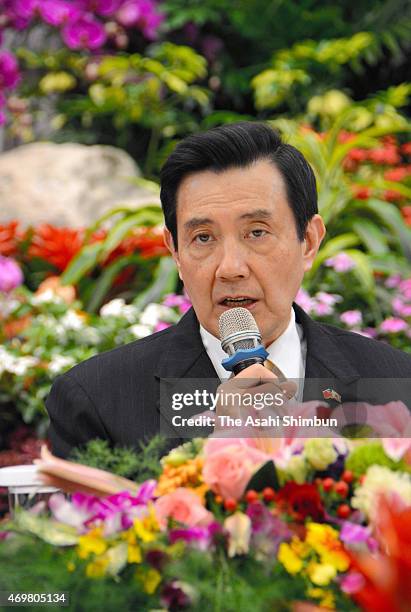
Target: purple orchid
(357,536)
(142,14)
(268,531)
(84,33)
(105,8)
(58,12)
(9,70)
(116,512)
(199,537)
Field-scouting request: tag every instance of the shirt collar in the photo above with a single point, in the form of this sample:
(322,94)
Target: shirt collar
(287,351)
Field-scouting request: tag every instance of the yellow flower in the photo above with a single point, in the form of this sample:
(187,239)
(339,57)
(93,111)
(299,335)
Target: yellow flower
(97,568)
(289,559)
(326,597)
(301,549)
(90,543)
(70,566)
(147,528)
(324,540)
(134,554)
(321,573)
(150,579)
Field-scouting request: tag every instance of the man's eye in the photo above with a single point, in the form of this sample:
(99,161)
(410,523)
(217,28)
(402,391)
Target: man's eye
(202,238)
(258,233)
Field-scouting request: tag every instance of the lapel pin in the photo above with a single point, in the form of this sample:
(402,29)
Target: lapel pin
(331,394)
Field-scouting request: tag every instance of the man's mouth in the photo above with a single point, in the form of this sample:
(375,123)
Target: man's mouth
(237,302)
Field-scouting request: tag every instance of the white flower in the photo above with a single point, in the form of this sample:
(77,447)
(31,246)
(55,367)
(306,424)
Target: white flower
(153,313)
(59,363)
(47,296)
(90,335)
(381,480)
(140,331)
(71,320)
(118,308)
(20,365)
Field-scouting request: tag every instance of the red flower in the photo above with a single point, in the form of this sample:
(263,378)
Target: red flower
(57,245)
(387,155)
(406,148)
(392,196)
(397,174)
(148,241)
(387,576)
(361,193)
(301,500)
(406,213)
(9,237)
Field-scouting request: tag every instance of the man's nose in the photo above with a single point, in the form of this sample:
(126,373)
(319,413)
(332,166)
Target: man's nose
(232,262)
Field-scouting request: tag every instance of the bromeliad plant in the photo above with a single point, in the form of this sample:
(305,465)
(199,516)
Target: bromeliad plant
(225,521)
(119,255)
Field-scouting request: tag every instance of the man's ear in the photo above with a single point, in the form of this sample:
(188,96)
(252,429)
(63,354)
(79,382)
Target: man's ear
(314,235)
(169,242)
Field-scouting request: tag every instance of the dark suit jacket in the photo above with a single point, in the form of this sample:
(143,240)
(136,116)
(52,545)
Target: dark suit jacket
(115,395)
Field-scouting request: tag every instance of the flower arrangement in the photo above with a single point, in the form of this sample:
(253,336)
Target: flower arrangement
(225,521)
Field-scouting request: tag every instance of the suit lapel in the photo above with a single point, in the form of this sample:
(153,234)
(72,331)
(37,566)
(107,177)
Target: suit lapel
(327,367)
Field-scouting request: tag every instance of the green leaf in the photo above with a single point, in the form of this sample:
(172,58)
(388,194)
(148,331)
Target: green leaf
(363,271)
(371,235)
(165,281)
(81,264)
(143,217)
(391,217)
(266,476)
(106,279)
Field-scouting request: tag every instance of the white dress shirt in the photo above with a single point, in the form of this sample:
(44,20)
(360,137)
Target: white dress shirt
(288,352)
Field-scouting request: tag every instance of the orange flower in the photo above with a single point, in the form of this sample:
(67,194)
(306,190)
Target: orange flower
(9,237)
(406,213)
(66,292)
(57,245)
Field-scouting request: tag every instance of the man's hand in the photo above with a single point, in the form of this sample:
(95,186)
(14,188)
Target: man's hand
(243,396)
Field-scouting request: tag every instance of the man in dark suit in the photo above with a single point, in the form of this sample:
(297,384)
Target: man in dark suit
(242,225)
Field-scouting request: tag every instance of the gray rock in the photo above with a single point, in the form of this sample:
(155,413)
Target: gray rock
(67,184)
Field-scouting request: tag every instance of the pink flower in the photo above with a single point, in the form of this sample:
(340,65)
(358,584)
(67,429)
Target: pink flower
(10,274)
(3,117)
(9,72)
(229,466)
(322,310)
(84,33)
(58,12)
(140,13)
(393,281)
(393,325)
(328,298)
(161,325)
(304,300)
(341,262)
(351,318)
(405,288)
(352,582)
(400,308)
(182,505)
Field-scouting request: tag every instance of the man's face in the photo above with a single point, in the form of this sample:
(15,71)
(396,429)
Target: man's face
(238,246)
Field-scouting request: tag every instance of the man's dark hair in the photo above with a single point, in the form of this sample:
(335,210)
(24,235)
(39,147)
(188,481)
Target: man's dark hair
(239,145)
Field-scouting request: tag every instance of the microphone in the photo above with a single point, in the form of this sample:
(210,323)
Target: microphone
(241,340)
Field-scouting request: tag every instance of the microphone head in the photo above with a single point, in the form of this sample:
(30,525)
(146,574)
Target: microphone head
(238,330)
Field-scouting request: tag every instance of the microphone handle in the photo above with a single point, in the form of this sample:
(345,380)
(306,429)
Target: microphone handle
(246,363)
